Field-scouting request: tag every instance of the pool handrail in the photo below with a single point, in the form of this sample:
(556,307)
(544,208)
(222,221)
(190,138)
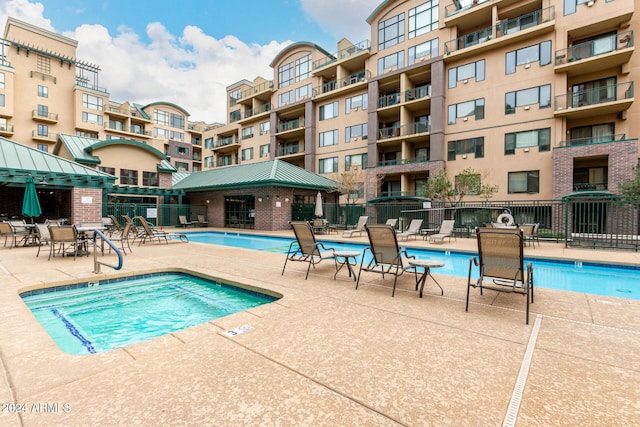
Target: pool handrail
(96,263)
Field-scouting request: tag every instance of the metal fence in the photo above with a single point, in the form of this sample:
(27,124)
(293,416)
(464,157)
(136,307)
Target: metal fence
(165,215)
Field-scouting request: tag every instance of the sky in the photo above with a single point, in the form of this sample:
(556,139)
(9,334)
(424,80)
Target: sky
(188,52)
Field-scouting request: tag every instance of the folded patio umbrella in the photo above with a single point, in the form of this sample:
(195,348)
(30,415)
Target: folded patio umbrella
(30,203)
(318,211)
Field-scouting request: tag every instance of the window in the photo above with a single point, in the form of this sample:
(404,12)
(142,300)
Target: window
(593,134)
(465,146)
(106,169)
(303,68)
(285,98)
(304,92)
(225,160)
(423,51)
(176,136)
(128,177)
(43,130)
(4,126)
(150,179)
(161,117)
(329,111)
(91,118)
(43,110)
(208,142)
(182,151)
(136,128)
(208,162)
(116,124)
(182,166)
(358,161)
(247,132)
(234,116)
(160,133)
(593,92)
(356,102)
(43,64)
(393,61)
(43,91)
(355,132)
(524,182)
(234,96)
(466,72)
(177,121)
(264,150)
(91,102)
(423,18)
(2,100)
(43,147)
(265,127)
(540,138)
(285,75)
(391,32)
(473,108)
(421,154)
(84,134)
(2,81)
(247,154)
(538,52)
(328,138)
(540,95)
(329,165)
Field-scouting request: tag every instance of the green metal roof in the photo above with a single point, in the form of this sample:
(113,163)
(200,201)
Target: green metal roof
(17,161)
(263,174)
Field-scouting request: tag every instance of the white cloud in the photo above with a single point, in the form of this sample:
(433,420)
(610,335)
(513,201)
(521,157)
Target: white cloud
(192,70)
(342,18)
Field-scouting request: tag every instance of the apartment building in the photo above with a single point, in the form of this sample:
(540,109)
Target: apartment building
(46,91)
(536,96)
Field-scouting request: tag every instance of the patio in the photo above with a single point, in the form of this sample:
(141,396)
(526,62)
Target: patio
(326,354)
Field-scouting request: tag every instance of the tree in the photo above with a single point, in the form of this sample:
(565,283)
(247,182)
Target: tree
(632,186)
(350,182)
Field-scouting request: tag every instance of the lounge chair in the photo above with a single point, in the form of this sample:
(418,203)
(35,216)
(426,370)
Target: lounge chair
(386,256)
(184,223)
(149,233)
(202,222)
(501,263)
(116,227)
(445,232)
(306,249)
(122,238)
(413,230)
(392,222)
(359,228)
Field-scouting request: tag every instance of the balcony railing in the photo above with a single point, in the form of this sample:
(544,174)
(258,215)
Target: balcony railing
(417,93)
(359,77)
(503,28)
(399,162)
(604,139)
(44,115)
(255,111)
(6,128)
(456,7)
(226,141)
(389,100)
(595,47)
(594,96)
(290,125)
(226,161)
(590,186)
(343,54)
(49,136)
(288,150)
(256,89)
(404,130)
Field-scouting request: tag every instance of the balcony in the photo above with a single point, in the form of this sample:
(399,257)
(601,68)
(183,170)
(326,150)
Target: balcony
(49,137)
(290,150)
(505,31)
(289,126)
(6,129)
(389,100)
(351,51)
(256,111)
(419,92)
(229,143)
(603,100)
(400,162)
(257,91)
(346,82)
(590,186)
(458,8)
(44,116)
(406,130)
(138,131)
(605,139)
(596,55)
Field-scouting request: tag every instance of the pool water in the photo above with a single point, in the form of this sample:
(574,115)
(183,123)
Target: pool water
(91,318)
(591,278)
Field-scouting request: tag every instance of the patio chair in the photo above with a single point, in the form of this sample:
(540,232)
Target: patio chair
(7,231)
(117,227)
(501,263)
(20,233)
(184,223)
(386,256)
(148,232)
(306,249)
(67,239)
(527,232)
(320,226)
(202,222)
(359,228)
(413,230)
(43,237)
(445,232)
(122,238)
(392,222)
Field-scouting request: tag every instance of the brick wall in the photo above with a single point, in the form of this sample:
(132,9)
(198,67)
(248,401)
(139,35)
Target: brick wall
(86,205)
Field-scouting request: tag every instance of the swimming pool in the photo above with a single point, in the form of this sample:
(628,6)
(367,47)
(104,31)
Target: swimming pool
(94,317)
(586,277)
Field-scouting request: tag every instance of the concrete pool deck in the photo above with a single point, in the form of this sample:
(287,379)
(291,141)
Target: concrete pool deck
(327,354)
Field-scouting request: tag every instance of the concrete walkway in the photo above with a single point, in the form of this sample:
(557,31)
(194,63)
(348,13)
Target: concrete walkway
(329,355)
